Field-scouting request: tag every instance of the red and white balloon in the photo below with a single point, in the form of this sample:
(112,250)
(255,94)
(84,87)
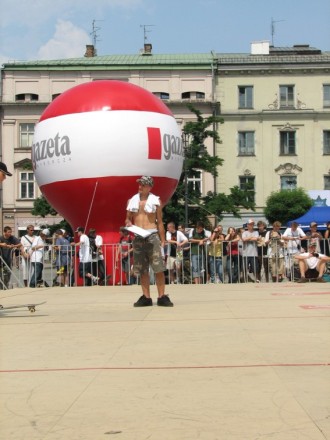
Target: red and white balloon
(93,142)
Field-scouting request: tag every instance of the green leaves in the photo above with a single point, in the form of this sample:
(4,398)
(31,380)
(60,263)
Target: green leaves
(287,205)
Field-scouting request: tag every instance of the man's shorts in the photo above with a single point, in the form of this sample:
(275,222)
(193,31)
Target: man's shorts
(311,273)
(147,252)
(170,263)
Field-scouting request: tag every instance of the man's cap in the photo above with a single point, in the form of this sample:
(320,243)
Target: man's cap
(45,232)
(146,180)
(250,221)
(312,243)
(313,224)
(3,169)
(79,229)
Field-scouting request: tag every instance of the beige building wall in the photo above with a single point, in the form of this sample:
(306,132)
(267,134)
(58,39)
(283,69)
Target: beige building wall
(309,118)
(16,212)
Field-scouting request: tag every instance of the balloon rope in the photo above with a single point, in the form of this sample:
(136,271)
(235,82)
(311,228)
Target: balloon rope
(90,206)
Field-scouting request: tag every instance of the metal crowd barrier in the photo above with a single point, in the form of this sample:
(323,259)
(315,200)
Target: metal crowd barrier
(110,269)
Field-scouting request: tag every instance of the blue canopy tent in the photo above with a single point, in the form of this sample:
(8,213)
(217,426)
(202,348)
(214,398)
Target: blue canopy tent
(318,214)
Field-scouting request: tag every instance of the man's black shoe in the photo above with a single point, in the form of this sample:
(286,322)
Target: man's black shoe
(143,301)
(164,301)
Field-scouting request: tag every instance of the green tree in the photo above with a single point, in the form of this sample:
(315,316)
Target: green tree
(286,205)
(197,158)
(42,208)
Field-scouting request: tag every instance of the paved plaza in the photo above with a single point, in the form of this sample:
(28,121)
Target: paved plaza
(228,362)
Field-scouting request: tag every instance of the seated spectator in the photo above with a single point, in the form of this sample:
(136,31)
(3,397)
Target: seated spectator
(311,264)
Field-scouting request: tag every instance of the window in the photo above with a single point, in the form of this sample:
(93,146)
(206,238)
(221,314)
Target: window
(162,95)
(27,97)
(193,95)
(287,96)
(287,143)
(246,143)
(195,182)
(247,183)
(200,95)
(27,185)
(326,142)
(288,182)
(326,182)
(245,97)
(26,133)
(326,95)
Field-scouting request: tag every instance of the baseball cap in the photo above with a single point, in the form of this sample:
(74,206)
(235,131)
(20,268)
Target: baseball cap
(250,221)
(79,229)
(3,168)
(313,224)
(146,180)
(45,232)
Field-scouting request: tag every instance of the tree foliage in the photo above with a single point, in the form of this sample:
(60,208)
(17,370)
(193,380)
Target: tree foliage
(286,205)
(197,158)
(42,208)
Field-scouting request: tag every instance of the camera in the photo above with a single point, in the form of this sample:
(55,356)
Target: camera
(315,254)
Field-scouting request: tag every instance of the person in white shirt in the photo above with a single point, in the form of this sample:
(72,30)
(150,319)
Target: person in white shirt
(292,238)
(250,251)
(27,241)
(311,264)
(85,258)
(175,240)
(37,258)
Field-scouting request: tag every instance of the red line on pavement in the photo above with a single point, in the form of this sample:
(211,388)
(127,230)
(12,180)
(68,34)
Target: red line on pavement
(313,307)
(301,293)
(179,367)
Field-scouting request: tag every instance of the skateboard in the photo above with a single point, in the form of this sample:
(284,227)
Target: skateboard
(31,307)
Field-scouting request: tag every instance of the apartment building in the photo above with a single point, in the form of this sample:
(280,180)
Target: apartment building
(275,103)
(276,106)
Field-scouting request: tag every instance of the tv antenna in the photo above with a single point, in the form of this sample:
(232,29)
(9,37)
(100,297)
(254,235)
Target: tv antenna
(145,31)
(94,34)
(272,28)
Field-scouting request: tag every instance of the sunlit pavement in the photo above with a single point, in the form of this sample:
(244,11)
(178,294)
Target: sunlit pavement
(241,362)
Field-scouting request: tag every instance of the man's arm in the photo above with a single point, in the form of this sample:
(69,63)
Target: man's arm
(302,256)
(160,224)
(129,218)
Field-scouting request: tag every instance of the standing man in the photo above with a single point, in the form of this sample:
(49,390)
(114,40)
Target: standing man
(3,174)
(85,258)
(175,239)
(8,245)
(198,237)
(250,252)
(26,242)
(37,259)
(145,211)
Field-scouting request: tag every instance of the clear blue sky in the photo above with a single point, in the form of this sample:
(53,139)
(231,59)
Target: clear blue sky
(52,29)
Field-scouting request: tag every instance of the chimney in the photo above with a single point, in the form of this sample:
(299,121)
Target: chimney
(260,47)
(147,49)
(90,51)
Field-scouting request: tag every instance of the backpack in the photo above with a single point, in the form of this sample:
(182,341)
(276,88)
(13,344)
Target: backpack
(93,247)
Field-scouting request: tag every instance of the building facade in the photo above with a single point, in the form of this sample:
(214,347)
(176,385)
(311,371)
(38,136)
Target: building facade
(275,104)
